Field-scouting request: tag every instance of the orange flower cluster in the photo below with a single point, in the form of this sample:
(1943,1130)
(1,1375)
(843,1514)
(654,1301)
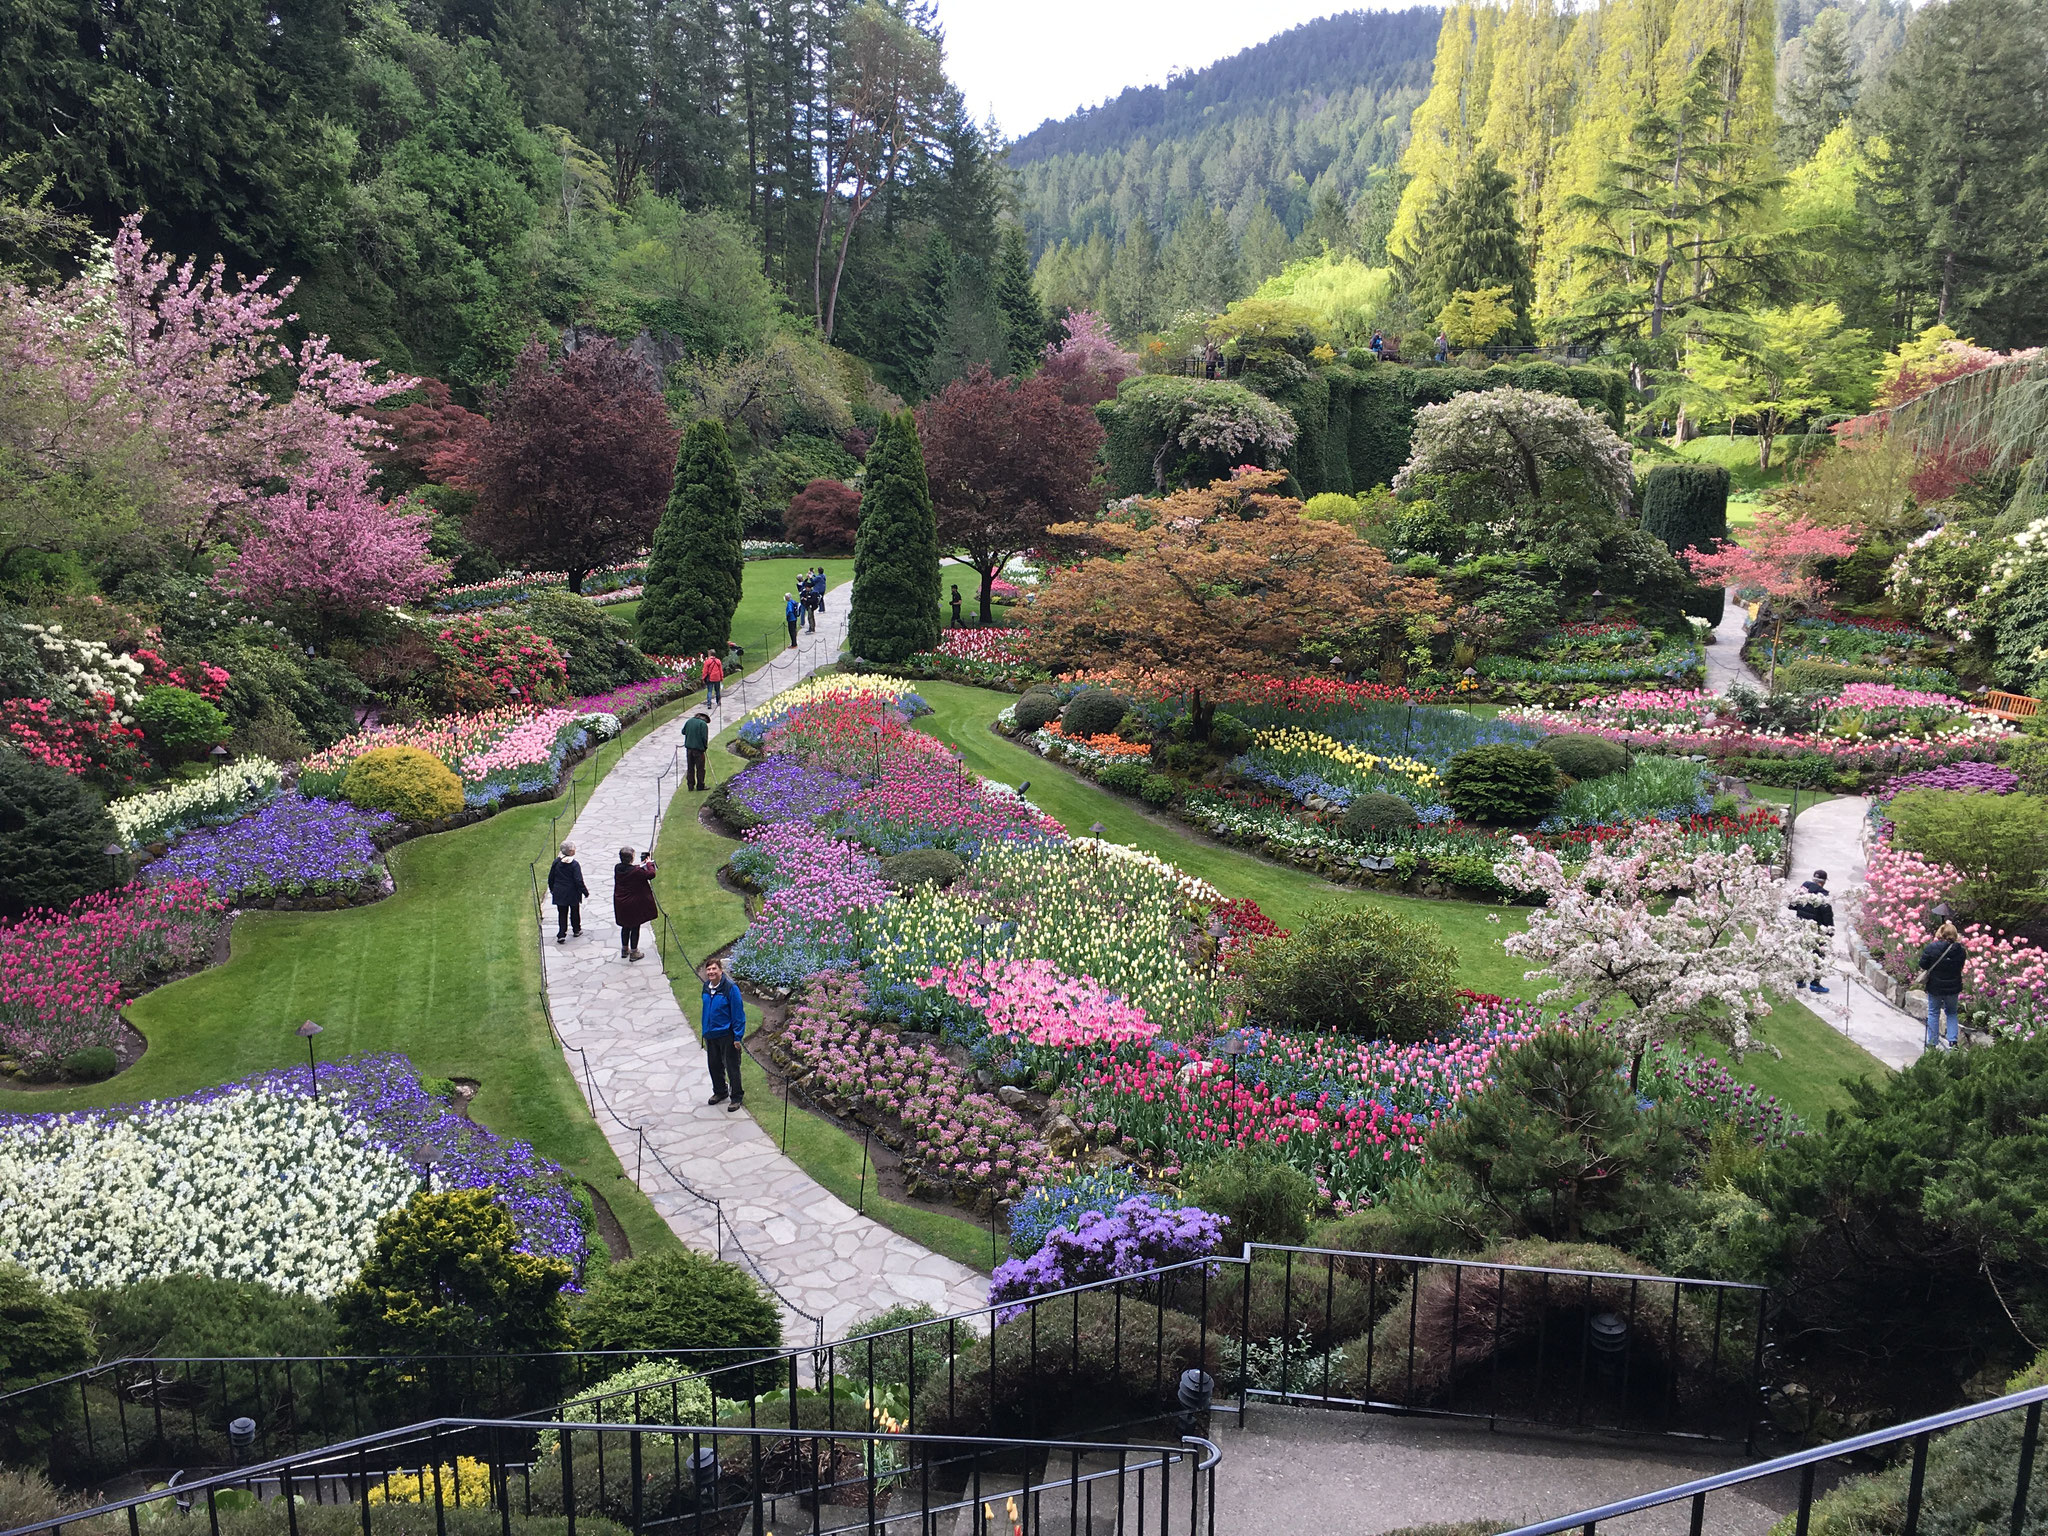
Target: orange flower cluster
(1107,745)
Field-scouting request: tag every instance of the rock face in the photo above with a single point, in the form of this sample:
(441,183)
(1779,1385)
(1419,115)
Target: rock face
(1062,1136)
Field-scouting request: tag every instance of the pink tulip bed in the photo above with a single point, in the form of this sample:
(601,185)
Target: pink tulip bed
(2005,978)
(1865,733)
(63,974)
(991,657)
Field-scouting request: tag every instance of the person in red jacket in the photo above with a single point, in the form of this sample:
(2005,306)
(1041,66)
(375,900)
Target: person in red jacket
(633,900)
(714,678)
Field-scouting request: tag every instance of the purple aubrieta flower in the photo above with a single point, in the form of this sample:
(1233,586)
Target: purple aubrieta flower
(1136,1237)
(294,846)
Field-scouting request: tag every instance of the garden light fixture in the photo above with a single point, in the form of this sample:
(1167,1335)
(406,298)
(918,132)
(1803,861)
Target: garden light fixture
(307,1031)
(241,1436)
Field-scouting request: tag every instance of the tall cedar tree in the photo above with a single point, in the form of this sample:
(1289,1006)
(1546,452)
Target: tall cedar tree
(1471,239)
(1023,317)
(896,556)
(1214,585)
(695,570)
(572,471)
(1006,458)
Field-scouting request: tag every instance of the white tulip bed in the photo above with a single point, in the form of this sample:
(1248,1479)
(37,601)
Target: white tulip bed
(252,1185)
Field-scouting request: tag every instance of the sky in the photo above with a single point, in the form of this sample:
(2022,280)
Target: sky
(1027,60)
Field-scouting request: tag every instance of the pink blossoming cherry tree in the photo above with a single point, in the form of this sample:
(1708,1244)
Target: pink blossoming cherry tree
(1659,943)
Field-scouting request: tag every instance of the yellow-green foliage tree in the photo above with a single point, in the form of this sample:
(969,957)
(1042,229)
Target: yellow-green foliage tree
(1782,366)
(1472,317)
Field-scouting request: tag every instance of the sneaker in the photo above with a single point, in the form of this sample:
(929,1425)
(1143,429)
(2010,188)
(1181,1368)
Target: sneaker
(716,1098)
(561,938)
(1817,987)
(636,954)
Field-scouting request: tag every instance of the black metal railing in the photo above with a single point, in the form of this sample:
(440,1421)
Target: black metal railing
(1373,1332)
(1986,1489)
(477,1476)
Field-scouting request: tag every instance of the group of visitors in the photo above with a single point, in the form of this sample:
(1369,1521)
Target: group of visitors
(1941,961)
(800,609)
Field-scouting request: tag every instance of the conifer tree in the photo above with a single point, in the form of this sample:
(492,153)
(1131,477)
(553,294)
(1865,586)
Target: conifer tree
(1471,241)
(895,610)
(1824,90)
(931,299)
(695,569)
(1130,295)
(1023,318)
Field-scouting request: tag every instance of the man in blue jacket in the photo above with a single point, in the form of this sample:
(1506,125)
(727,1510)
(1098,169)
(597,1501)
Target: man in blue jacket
(723,1025)
(792,614)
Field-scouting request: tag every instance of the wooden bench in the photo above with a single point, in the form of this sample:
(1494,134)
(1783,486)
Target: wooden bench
(2011,706)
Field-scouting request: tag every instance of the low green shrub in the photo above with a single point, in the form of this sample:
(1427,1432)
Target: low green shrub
(683,1300)
(1502,785)
(412,785)
(662,1392)
(890,1363)
(1376,813)
(180,724)
(1157,789)
(1187,757)
(198,1316)
(41,1336)
(1038,708)
(597,645)
(2000,842)
(91,1065)
(1805,676)
(1124,776)
(2028,757)
(728,808)
(923,866)
(1093,712)
(1329,1302)
(1356,970)
(1228,734)
(1264,1199)
(1118,1359)
(1584,757)
(53,836)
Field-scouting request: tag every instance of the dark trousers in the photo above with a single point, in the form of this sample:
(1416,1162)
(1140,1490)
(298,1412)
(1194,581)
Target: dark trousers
(629,936)
(568,918)
(724,1054)
(792,631)
(693,758)
(714,689)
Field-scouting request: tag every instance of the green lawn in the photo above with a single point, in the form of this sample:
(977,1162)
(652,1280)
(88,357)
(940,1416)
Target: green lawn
(446,970)
(757,625)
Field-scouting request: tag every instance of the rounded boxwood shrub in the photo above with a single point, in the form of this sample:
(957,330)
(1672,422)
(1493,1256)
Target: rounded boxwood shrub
(1036,709)
(923,866)
(54,834)
(92,1064)
(412,785)
(1358,970)
(1374,813)
(683,1300)
(1228,734)
(179,723)
(1584,757)
(1502,785)
(1093,712)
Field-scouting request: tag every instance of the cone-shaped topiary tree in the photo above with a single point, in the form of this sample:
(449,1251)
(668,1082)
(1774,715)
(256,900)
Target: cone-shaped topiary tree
(694,572)
(896,555)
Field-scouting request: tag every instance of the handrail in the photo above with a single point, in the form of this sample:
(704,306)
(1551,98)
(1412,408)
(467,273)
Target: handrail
(1498,1266)
(1805,1462)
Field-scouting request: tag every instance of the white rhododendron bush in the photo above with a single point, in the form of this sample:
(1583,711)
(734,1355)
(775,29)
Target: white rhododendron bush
(252,1185)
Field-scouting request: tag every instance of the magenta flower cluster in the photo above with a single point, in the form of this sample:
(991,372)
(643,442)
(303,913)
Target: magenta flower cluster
(1985,778)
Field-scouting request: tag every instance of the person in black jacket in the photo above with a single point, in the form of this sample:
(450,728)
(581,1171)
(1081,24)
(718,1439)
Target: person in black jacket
(1815,905)
(567,890)
(1941,972)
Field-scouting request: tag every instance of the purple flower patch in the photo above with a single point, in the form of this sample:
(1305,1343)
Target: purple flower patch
(292,847)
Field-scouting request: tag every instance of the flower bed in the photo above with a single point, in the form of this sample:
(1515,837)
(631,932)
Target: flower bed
(293,847)
(785,788)
(2005,976)
(955,1142)
(1311,766)
(991,657)
(1856,744)
(818,896)
(1564,660)
(256,1180)
(1703,1094)
(1910,656)
(496,753)
(63,974)
(221,796)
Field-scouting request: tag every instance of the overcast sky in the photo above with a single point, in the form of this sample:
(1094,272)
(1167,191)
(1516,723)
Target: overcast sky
(1027,60)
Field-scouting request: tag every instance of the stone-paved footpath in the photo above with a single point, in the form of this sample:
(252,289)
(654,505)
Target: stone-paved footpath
(1826,836)
(621,1021)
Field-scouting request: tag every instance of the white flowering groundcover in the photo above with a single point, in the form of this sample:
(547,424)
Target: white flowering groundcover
(258,1181)
(249,1186)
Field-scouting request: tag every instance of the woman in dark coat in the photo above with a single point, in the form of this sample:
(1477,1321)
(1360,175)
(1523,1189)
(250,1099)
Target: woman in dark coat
(633,900)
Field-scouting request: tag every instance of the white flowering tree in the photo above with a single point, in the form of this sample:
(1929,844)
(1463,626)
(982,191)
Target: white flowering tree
(1514,437)
(1659,943)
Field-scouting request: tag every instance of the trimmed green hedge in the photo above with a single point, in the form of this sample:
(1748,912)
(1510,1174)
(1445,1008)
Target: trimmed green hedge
(1686,505)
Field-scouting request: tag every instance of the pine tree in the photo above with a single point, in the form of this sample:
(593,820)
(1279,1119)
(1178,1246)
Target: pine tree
(924,320)
(1023,319)
(1471,240)
(695,568)
(1130,295)
(1825,89)
(895,610)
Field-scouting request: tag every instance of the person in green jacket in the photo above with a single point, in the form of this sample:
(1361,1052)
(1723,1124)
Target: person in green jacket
(696,742)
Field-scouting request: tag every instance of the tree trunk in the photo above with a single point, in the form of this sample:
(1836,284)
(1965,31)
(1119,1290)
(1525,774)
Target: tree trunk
(988,587)
(1200,715)
(1635,1069)
(576,580)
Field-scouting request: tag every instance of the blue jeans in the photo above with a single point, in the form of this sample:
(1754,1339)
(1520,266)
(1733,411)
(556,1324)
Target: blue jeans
(1936,1007)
